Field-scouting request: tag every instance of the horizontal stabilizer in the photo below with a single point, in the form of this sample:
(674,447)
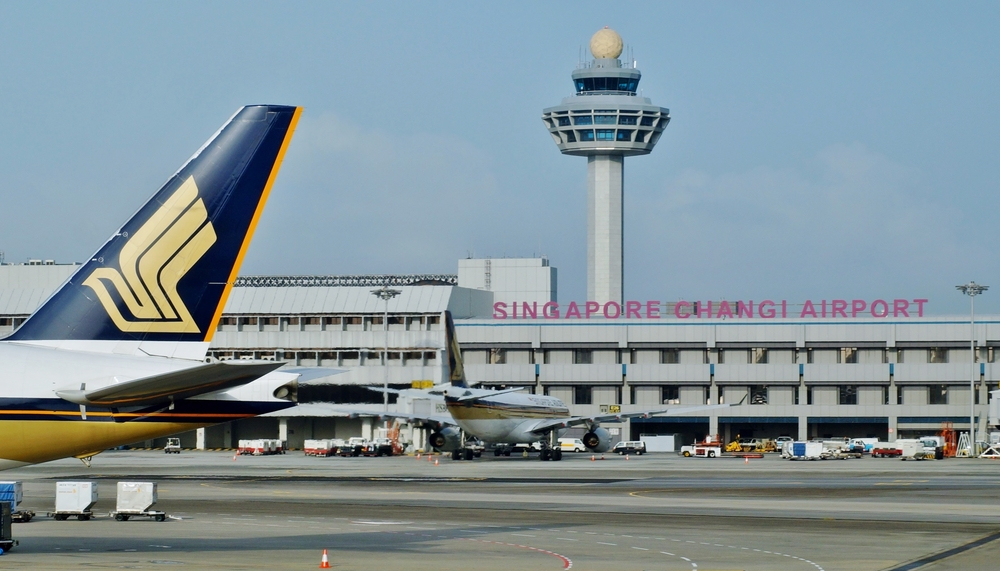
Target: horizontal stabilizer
(173,386)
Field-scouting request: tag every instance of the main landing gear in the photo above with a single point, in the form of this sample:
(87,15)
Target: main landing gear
(551,449)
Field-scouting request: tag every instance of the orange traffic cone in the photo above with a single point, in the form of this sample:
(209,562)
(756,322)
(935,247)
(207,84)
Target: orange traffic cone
(591,457)
(324,563)
(235,455)
(428,457)
(746,460)
(435,461)
(626,456)
(418,455)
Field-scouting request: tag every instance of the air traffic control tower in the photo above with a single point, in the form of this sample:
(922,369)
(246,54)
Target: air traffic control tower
(605,121)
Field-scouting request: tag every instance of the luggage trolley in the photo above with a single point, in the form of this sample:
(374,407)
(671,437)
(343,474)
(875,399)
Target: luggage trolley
(134,500)
(74,499)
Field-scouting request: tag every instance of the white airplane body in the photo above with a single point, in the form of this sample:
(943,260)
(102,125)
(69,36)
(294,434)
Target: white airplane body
(510,416)
(117,354)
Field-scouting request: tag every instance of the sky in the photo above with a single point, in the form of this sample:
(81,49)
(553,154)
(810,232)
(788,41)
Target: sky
(816,150)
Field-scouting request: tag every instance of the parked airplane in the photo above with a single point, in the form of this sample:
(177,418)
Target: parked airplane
(117,354)
(510,416)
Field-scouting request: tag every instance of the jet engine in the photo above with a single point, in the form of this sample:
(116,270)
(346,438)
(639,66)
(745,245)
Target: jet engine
(597,440)
(447,439)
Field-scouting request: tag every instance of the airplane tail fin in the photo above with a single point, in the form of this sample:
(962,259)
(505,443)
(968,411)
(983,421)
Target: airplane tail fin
(165,274)
(456,370)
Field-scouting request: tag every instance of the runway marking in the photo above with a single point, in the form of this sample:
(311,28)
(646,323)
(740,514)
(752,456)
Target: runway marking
(640,548)
(524,535)
(567,562)
(606,543)
(566,539)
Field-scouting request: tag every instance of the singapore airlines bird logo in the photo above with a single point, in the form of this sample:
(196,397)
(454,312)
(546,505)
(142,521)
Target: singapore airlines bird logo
(152,263)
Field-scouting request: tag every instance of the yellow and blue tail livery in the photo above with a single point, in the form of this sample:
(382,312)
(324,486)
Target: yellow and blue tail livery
(166,274)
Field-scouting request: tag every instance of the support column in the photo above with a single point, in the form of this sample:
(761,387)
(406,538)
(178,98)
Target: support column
(200,439)
(366,428)
(605,180)
(227,435)
(283,429)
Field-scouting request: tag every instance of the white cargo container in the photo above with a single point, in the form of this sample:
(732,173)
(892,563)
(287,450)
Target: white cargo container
(805,450)
(75,498)
(135,499)
(659,442)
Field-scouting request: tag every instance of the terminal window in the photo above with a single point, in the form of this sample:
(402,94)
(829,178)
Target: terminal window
(848,394)
(937,394)
(626,120)
(624,135)
(582,395)
(937,355)
(583,357)
(670,356)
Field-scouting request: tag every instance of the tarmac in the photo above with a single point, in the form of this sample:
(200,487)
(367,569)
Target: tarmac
(656,511)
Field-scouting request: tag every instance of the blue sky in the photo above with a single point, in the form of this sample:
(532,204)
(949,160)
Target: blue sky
(817,150)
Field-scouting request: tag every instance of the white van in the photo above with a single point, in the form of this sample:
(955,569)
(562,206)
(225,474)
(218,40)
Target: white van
(572,445)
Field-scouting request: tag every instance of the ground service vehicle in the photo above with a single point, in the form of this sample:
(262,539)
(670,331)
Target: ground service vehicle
(637,447)
(173,446)
(571,445)
(355,447)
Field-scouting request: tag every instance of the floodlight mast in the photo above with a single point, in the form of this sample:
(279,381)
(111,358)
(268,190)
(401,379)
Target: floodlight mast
(385,294)
(972,289)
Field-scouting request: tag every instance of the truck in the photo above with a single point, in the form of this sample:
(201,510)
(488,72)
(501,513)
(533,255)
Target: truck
(173,446)
(355,446)
(378,447)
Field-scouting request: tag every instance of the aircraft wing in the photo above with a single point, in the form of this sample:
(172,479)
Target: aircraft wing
(173,386)
(436,420)
(545,426)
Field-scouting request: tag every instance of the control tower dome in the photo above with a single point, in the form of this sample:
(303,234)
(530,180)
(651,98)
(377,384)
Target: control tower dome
(605,121)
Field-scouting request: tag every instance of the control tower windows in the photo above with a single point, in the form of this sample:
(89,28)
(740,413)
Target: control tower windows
(604,119)
(626,120)
(564,121)
(605,134)
(586,135)
(647,121)
(570,137)
(624,135)
(584,120)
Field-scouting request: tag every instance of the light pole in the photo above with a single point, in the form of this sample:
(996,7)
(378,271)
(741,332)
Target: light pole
(972,289)
(385,294)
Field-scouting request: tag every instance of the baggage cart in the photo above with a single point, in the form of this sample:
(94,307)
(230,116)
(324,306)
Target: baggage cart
(6,541)
(134,500)
(12,493)
(74,499)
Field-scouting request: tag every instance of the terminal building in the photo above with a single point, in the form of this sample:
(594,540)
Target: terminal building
(804,369)
(835,373)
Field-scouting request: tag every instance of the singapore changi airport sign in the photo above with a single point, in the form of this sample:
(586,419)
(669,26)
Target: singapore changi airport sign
(765,309)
